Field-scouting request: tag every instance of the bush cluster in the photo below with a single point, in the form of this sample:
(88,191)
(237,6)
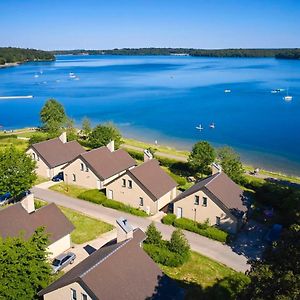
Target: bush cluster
(171,253)
(99,198)
(199,228)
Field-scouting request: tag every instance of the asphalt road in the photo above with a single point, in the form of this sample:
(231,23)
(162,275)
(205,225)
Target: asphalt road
(213,249)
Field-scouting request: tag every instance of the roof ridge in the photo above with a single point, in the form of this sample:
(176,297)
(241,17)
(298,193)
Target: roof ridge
(46,141)
(95,149)
(213,178)
(103,259)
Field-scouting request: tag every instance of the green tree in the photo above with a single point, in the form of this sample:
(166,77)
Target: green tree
(231,163)
(24,269)
(86,127)
(277,275)
(201,157)
(71,130)
(37,138)
(153,235)
(178,243)
(103,134)
(17,171)
(53,117)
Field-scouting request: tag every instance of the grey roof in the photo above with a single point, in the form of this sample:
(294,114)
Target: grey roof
(222,187)
(105,163)
(15,219)
(156,181)
(55,153)
(121,271)
(123,223)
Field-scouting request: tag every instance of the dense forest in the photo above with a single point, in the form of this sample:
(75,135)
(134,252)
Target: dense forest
(278,53)
(12,55)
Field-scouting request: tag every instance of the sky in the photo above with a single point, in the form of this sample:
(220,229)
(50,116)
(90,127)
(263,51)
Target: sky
(98,24)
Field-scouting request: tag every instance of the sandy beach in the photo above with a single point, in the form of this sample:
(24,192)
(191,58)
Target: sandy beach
(7,65)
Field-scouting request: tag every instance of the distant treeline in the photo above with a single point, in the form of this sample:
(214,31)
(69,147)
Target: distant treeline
(12,55)
(278,53)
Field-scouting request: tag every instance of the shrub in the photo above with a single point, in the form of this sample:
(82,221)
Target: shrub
(169,219)
(153,235)
(208,231)
(135,154)
(164,256)
(99,198)
(178,243)
(179,179)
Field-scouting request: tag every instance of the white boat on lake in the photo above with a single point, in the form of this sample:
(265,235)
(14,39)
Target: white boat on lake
(227,91)
(199,127)
(287,97)
(212,125)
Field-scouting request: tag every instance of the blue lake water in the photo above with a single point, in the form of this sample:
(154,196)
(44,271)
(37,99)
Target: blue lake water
(164,98)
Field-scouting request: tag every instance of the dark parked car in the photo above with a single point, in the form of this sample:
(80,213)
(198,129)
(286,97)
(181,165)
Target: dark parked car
(5,198)
(58,177)
(62,261)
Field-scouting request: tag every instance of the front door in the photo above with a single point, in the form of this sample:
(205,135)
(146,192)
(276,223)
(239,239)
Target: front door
(109,194)
(179,212)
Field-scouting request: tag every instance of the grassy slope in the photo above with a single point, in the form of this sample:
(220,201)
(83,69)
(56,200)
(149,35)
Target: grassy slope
(69,190)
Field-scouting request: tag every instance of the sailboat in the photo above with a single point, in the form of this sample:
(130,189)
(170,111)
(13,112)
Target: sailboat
(212,125)
(287,97)
(199,127)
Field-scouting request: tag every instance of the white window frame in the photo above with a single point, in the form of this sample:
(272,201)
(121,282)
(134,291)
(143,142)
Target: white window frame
(196,200)
(130,184)
(141,201)
(73,293)
(74,177)
(81,166)
(123,182)
(204,201)
(84,296)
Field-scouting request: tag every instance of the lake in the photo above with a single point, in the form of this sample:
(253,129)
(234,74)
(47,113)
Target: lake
(164,98)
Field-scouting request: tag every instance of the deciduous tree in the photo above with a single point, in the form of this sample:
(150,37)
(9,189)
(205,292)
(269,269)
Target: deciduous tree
(201,157)
(17,171)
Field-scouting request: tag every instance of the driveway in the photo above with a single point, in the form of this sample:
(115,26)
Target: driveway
(213,249)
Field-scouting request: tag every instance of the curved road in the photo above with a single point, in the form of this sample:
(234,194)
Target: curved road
(203,245)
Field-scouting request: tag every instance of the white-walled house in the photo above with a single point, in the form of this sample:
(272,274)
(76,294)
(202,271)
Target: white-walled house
(22,216)
(52,155)
(146,186)
(96,168)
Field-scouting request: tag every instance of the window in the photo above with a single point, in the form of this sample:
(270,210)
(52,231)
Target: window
(204,201)
(33,156)
(38,158)
(74,177)
(123,182)
(196,201)
(130,184)
(141,201)
(81,166)
(86,169)
(73,295)
(83,296)
(218,220)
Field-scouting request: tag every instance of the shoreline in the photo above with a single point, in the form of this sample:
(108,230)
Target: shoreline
(8,65)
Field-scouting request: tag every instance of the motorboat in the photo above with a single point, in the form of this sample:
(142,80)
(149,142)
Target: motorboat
(227,91)
(72,75)
(287,97)
(212,125)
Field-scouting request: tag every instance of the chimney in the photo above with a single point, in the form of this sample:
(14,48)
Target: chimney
(111,146)
(28,203)
(147,155)
(63,137)
(216,168)
(124,230)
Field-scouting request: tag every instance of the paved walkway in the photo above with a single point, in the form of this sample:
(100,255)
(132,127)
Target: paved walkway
(203,245)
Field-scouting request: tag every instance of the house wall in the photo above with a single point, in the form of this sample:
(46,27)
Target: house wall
(132,196)
(83,178)
(201,213)
(65,292)
(42,168)
(60,246)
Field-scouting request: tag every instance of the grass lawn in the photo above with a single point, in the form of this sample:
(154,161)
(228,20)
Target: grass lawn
(86,228)
(69,190)
(8,141)
(160,148)
(40,179)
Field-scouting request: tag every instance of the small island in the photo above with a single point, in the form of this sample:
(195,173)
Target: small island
(10,56)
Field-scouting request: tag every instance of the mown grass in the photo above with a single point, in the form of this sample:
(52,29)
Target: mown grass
(40,179)
(199,269)
(159,148)
(68,189)
(7,141)
(86,228)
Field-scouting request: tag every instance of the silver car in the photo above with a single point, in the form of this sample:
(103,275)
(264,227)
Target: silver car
(62,261)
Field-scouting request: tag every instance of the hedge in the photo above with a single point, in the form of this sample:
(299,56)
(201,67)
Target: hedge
(169,219)
(99,198)
(199,228)
(164,256)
